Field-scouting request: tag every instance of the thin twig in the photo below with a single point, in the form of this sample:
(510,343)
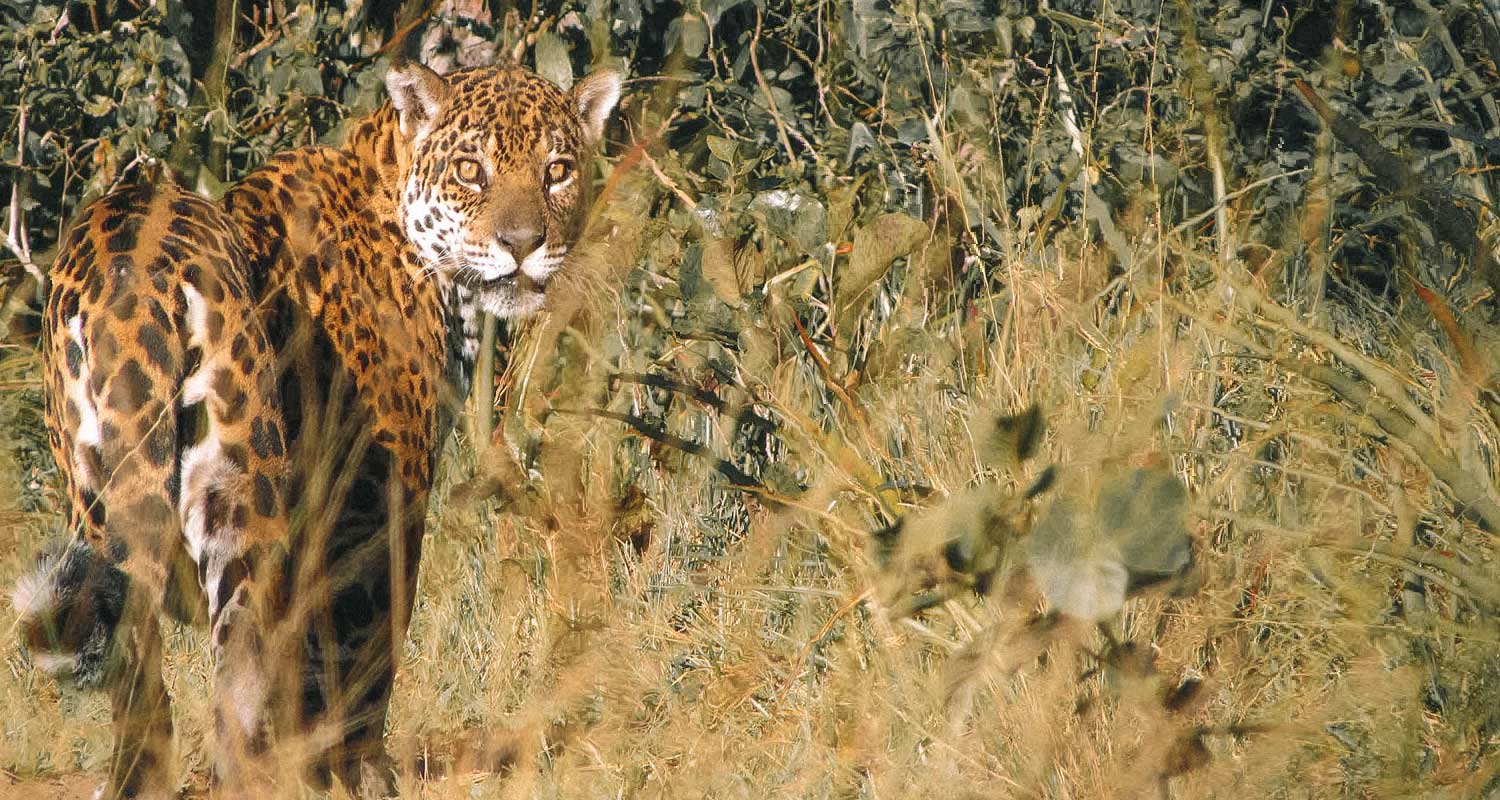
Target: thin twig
(528,39)
(15,230)
(1095,209)
(665,180)
(1219,204)
(765,88)
(275,33)
(62,23)
(703,396)
(1203,95)
(736,476)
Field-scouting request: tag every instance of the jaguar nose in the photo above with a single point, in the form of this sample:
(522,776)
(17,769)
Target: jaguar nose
(521,242)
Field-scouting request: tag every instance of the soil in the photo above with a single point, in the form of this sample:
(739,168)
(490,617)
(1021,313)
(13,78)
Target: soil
(74,786)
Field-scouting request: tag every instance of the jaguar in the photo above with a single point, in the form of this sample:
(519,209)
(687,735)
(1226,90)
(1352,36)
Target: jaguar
(246,401)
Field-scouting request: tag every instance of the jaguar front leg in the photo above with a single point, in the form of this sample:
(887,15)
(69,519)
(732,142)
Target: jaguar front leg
(368,571)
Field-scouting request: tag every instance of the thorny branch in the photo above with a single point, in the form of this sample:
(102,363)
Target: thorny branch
(765,89)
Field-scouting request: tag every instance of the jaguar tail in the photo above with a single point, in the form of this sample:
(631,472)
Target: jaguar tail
(69,605)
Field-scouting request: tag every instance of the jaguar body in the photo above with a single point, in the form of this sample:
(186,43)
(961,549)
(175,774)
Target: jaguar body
(247,399)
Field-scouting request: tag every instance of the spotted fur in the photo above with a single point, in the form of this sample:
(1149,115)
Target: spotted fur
(304,344)
(168,433)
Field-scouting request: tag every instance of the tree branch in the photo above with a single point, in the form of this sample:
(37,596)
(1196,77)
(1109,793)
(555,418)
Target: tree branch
(1450,221)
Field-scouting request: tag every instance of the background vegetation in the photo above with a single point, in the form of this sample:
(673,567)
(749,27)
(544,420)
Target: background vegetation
(754,512)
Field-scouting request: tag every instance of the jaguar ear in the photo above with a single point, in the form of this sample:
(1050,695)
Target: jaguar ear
(418,95)
(596,96)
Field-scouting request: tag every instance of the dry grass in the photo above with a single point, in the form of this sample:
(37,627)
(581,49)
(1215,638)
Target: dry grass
(735,650)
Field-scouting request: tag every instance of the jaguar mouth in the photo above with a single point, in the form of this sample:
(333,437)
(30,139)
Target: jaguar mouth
(518,282)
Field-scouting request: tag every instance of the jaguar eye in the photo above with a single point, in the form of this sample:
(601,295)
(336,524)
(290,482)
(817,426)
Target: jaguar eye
(468,171)
(558,171)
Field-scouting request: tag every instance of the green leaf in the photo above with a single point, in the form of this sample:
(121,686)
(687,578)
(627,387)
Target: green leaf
(98,106)
(876,247)
(794,216)
(281,78)
(1146,511)
(860,138)
(723,149)
(552,60)
(310,81)
(694,35)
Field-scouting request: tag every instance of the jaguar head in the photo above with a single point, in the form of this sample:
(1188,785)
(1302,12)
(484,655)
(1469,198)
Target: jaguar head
(496,191)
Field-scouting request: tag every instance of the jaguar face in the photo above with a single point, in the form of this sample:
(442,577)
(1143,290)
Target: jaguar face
(495,195)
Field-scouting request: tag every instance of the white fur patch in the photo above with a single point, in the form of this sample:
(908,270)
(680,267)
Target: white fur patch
(249,693)
(543,261)
(55,663)
(441,226)
(507,306)
(204,469)
(88,434)
(242,682)
(35,594)
(490,260)
(459,297)
(195,386)
(197,315)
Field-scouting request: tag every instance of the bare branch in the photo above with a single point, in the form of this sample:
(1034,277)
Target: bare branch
(16,240)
